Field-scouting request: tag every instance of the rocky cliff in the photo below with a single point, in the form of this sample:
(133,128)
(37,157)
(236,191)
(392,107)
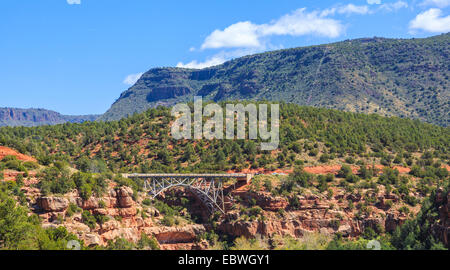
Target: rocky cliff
(125,218)
(129,218)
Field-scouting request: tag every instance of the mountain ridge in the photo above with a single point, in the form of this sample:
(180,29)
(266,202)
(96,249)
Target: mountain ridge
(391,77)
(38,116)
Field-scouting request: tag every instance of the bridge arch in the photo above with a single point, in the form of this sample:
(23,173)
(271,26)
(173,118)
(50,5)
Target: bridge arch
(207,187)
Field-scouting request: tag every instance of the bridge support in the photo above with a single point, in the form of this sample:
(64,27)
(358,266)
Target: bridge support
(208,188)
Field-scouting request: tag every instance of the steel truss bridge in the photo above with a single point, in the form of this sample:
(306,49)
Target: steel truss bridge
(208,188)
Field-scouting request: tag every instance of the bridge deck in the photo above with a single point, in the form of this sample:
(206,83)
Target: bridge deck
(188,175)
(241,177)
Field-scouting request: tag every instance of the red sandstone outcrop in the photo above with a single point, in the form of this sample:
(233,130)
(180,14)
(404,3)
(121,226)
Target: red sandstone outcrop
(5,151)
(313,213)
(53,204)
(170,235)
(124,220)
(202,245)
(125,197)
(265,200)
(393,220)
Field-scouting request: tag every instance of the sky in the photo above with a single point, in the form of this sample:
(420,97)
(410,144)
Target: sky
(77,56)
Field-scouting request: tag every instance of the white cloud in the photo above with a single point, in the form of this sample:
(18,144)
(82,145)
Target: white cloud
(249,35)
(74,2)
(241,34)
(431,21)
(347,9)
(301,23)
(245,37)
(132,78)
(213,61)
(350,8)
(223,56)
(394,6)
(436,3)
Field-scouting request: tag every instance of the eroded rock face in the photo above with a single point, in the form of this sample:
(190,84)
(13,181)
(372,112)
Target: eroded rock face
(314,213)
(89,204)
(127,212)
(168,92)
(124,220)
(393,220)
(131,234)
(125,197)
(91,239)
(266,201)
(294,224)
(53,204)
(202,245)
(170,235)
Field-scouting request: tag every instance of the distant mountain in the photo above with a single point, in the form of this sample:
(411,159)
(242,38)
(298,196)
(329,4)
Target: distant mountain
(392,77)
(38,117)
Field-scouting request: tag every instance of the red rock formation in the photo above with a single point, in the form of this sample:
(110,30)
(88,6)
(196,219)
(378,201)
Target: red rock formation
(265,200)
(129,219)
(53,204)
(5,151)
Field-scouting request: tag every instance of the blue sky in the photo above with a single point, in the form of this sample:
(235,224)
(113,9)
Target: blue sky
(77,56)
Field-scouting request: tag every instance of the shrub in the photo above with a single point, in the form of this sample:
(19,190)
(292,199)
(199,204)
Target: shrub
(268,185)
(30,165)
(72,209)
(13,165)
(323,185)
(294,203)
(351,178)
(365,173)
(148,243)
(56,181)
(254,211)
(147,202)
(19,180)
(101,219)
(313,152)
(329,177)
(168,221)
(344,171)
(302,178)
(101,204)
(388,204)
(324,158)
(350,160)
(120,244)
(89,219)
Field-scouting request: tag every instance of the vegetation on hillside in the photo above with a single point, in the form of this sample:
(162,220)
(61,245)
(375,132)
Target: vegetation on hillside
(142,143)
(100,151)
(19,231)
(393,77)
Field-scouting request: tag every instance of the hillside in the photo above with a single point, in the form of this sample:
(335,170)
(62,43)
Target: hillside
(143,142)
(337,174)
(393,77)
(38,117)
